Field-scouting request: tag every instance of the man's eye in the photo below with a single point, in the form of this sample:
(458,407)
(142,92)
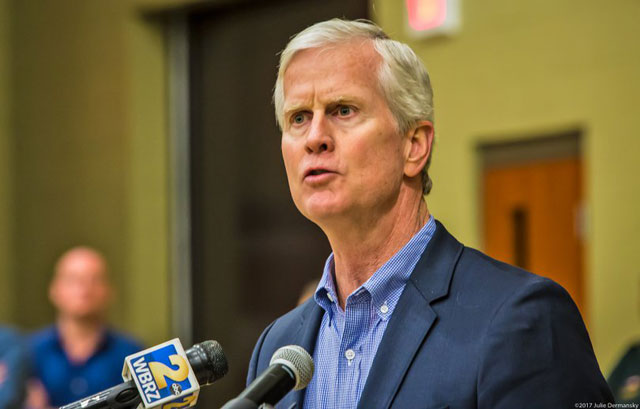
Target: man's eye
(344,110)
(298,118)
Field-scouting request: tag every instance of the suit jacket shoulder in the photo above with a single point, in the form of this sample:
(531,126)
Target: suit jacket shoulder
(297,327)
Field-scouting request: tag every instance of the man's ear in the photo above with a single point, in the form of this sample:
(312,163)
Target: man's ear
(418,148)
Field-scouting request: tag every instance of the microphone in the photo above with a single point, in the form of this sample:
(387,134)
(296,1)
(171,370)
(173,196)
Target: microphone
(207,360)
(291,367)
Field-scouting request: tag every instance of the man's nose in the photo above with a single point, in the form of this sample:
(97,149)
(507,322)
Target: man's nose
(319,138)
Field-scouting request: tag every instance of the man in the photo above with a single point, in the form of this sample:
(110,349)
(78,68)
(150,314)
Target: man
(79,355)
(14,363)
(404,316)
(624,380)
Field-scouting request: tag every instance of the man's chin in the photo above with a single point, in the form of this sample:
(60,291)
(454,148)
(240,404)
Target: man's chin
(85,315)
(323,214)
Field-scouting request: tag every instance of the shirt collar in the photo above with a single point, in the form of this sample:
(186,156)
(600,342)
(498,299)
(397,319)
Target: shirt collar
(106,338)
(326,294)
(386,284)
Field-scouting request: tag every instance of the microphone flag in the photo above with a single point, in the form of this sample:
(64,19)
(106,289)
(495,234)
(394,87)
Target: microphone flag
(163,376)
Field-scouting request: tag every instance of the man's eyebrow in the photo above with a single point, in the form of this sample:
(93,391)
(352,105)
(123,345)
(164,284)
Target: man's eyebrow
(294,108)
(340,100)
(343,101)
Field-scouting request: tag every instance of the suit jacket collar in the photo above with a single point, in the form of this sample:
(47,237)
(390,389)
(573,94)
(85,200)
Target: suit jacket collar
(433,273)
(412,319)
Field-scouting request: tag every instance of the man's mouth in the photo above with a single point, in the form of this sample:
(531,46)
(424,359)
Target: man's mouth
(315,172)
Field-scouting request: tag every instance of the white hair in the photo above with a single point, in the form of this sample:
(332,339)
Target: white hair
(403,79)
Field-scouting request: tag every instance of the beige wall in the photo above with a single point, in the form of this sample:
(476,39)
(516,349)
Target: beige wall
(148,180)
(6,276)
(88,154)
(525,67)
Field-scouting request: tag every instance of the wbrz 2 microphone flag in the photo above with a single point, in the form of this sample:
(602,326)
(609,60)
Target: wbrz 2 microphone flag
(163,376)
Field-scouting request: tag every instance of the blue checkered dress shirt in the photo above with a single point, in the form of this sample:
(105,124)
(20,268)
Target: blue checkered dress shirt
(348,340)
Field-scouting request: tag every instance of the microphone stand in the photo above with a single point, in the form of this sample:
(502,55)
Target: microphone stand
(122,396)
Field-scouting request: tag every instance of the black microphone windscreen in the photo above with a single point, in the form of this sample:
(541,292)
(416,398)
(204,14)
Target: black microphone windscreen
(208,361)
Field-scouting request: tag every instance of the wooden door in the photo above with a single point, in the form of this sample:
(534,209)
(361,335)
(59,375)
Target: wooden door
(532,219)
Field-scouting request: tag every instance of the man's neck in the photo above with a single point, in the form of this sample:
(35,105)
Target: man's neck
(80,338)
(360,251)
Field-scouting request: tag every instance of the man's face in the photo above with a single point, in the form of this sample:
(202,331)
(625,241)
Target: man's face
(342,151)
(80,287)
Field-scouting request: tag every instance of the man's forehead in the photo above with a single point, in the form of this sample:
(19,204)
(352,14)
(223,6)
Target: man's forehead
(339,71)
(359,53)
(81,262)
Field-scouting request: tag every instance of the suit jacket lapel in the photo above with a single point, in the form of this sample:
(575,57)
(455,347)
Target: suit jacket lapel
(306,337)
(412,319)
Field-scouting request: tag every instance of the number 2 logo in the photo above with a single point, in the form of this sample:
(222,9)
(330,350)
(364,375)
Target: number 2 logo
(161,371)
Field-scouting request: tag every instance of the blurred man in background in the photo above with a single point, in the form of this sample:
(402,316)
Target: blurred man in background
(624,380)
(13,369)
(79,355)
(404,315)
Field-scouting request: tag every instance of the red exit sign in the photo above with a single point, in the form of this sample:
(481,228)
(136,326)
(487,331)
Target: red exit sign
(429,17)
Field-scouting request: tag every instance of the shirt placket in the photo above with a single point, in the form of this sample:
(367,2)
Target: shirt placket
(350,355)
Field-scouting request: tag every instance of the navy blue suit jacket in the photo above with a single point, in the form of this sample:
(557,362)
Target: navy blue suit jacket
(468,332)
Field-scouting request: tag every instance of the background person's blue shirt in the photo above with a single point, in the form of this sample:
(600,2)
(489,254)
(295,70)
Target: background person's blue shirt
(14,363)
(66,381)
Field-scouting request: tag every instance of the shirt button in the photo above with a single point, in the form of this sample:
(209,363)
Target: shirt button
(349,354)
(329,297)
(384,309)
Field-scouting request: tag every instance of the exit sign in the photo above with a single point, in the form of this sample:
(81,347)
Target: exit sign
(430,17)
